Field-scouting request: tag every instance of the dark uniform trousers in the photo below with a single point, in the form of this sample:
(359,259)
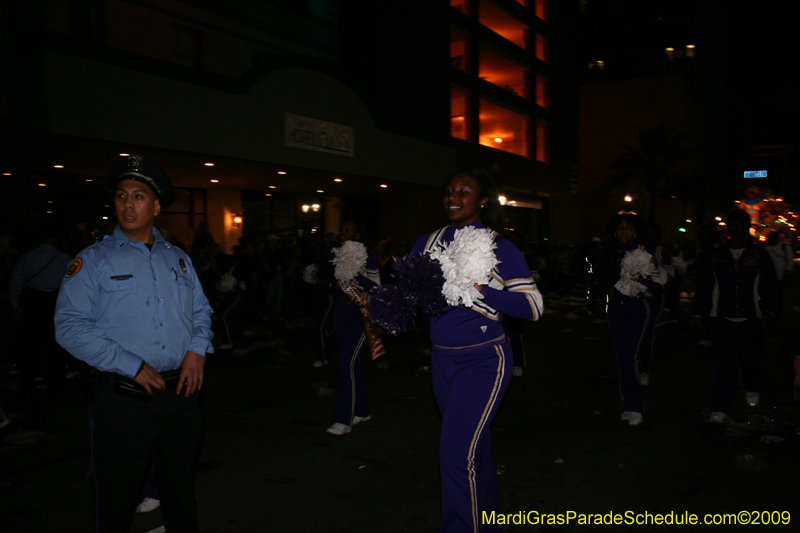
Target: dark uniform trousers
(127,434)
(734,343)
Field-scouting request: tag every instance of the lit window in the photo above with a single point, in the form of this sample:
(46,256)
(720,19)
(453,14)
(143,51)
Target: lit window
(503,129)
(689,50)
(541,9)
(459,48)
(542,91)
(502,23)
(461,5)
(670,53)
(541,48)
(502,71)
(459,111)
(542,142)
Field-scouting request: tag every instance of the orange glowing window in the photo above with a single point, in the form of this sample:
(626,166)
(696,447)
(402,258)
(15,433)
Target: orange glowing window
(459,113)
(541,9)
(542,51)
(542,91)
(503,128)
(502,23)
(542,142)
(502,71)
(459,50)
(461,5)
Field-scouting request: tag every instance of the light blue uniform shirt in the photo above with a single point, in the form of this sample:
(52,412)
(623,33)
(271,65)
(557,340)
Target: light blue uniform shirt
(125,304)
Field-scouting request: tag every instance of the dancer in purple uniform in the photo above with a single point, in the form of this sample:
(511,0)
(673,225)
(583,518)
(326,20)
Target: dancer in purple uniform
(351,391)
(471,358)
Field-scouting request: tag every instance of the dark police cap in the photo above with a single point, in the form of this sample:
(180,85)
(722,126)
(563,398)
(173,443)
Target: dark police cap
(140,168)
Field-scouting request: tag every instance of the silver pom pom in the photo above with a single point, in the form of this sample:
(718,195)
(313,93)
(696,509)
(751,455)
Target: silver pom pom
(349,261)
(635,262)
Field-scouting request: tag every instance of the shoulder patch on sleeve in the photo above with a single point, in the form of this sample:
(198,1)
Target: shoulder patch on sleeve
(74,267)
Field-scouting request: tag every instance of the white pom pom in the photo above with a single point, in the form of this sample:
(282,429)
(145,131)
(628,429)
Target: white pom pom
(349,261)
(635,262)
(468,260)
(310,274)
(226,283)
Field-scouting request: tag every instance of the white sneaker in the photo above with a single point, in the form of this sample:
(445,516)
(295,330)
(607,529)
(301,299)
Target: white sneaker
(147,505)
(718,417)
(644,378)
(752,398)
(635,419)
(358,419)
(632,417)
(338,429)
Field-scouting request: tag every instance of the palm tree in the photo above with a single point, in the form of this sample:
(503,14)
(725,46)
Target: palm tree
(652,166)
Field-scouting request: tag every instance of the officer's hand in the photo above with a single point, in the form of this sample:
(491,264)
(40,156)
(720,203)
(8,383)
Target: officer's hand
(148,377)
(191,373)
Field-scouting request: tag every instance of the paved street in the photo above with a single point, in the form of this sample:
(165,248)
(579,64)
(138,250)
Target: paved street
(268,465)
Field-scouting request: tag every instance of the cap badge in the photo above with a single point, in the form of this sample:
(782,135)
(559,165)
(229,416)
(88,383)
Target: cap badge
(135,161)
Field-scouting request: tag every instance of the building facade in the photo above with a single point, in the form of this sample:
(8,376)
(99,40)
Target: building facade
(291,115)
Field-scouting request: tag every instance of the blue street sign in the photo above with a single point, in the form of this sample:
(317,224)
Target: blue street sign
(755,174)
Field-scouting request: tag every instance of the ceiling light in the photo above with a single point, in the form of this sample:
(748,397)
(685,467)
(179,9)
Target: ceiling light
(320,191)
(273,187)
(42,185)
(337,180)
(384,186)
(214,181)
(209,164)
(124,155)
(498,140)
(58,166)
(6,173)
(89,180)
(281,172)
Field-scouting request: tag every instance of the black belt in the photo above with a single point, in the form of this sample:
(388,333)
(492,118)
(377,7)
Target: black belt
(128,387)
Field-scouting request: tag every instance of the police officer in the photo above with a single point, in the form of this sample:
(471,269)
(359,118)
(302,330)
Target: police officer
(132,307)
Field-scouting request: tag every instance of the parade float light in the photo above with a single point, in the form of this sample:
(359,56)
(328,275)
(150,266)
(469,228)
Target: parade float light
(628,198)
(502,199)
(305,208)
(682,230)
